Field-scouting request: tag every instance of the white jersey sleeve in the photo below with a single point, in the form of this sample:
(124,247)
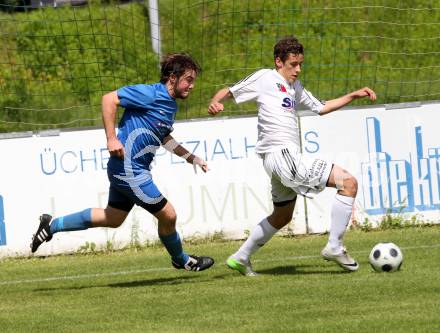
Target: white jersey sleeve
(305,98)
(248,89)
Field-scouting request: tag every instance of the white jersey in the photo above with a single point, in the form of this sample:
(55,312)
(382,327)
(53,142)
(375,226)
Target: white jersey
(278,102)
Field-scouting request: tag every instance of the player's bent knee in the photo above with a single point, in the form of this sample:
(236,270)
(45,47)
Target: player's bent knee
(286,218)
(351,186)
(114,217)
(279,220)
(114,222)
(167,215)
(169,219)
(166,225)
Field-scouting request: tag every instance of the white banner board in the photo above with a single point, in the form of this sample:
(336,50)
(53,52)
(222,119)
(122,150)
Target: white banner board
(64,174)
(394,154)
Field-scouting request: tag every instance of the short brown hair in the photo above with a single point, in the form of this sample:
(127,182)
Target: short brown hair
(177,64)
(285,46)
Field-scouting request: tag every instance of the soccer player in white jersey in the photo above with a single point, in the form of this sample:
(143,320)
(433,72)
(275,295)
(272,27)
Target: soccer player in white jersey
(278,94)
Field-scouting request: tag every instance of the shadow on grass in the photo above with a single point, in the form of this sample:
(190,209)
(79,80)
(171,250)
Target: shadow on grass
(289,270)
(128,284)
(300,270)
(152,282)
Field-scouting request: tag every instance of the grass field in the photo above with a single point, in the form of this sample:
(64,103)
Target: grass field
(297,291)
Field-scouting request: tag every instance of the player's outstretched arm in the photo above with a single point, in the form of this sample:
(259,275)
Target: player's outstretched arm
(175,148)
(335,104)
(215,106)
(110,104)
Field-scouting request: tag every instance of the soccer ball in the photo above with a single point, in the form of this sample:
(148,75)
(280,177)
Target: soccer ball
(386,257)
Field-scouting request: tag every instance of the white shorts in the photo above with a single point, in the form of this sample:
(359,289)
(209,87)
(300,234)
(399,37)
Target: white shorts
(292,173)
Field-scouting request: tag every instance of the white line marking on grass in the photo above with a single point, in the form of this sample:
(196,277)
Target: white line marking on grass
(163,269)
(85,276)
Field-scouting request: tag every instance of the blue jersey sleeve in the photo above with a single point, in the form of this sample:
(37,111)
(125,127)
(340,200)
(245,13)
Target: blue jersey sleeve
(139,96)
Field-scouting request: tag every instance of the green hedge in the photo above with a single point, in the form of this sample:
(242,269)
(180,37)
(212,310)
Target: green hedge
(55,63)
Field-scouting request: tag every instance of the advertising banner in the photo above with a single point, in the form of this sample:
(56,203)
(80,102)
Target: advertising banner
(393,153)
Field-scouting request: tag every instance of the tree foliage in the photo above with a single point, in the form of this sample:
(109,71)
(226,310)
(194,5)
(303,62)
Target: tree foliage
(55,63)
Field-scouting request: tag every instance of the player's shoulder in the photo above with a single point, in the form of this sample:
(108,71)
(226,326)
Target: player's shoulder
(140,87)
(140,94)
(149,87)
(254,76)
(152,90)
(261,73)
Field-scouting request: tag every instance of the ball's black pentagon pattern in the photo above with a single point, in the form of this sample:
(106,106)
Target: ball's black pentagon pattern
(376,254)
(393,252)
(387,268)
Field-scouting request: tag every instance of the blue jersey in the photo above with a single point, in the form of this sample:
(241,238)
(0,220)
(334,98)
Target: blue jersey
(148,118)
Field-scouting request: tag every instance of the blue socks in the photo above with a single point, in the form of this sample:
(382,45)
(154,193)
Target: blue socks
(173,245)
(83,220)
(76,221)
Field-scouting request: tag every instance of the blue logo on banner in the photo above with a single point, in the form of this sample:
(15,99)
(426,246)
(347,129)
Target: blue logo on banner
(2,224)
(400,185)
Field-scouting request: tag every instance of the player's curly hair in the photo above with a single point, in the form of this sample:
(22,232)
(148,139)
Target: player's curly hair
(177,64)
(285,46)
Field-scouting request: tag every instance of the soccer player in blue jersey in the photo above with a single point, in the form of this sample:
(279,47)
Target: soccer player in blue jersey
(145,125)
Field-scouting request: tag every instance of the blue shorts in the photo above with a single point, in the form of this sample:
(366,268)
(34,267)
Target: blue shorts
(125,192)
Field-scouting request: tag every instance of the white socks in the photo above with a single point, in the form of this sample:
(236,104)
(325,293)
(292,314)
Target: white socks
(264,231)
(259,236)
(341,213)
